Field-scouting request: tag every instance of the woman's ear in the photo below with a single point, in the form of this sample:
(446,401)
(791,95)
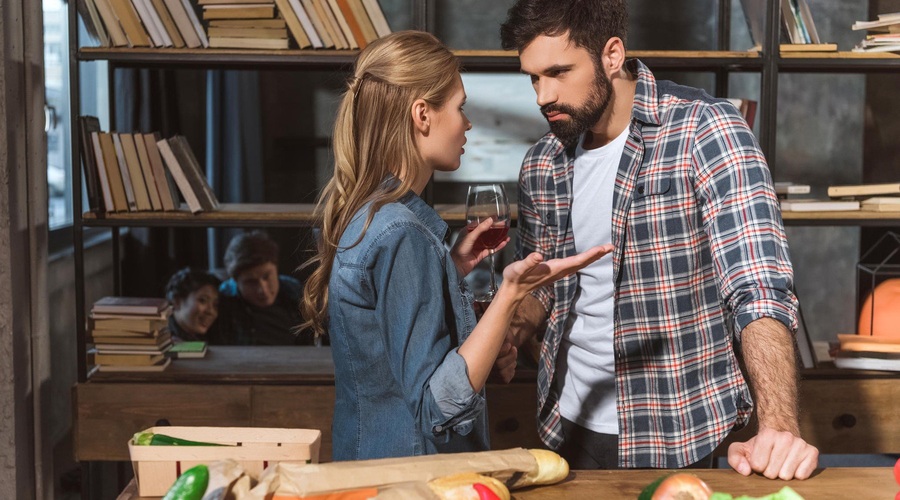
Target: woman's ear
(421,115)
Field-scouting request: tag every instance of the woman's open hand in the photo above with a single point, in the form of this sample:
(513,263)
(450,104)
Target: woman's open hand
(531,273)
(466,253)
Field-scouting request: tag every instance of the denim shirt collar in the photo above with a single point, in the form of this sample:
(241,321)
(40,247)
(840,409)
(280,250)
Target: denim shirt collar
(426,214)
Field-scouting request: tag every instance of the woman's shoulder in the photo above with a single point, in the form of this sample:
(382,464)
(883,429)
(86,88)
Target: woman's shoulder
(392,224)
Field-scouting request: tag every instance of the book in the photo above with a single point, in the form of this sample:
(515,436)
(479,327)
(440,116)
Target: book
(886,22)
(175,168)
(809,25)
(352,23)
(786,189)
(166,196)
(342,24)
(220,42)
(151,23)
(113,172)
(168,23)
(147,170)
(122,324)
(131,24)
(747,108)
(362,18)
(869,343)
(258,33)
(125,172)
(189,349)
(867,361)
(331,24)
(755,15)
(376,15)
(194,172)
(274,23)
(227,2)
(813,205)
(93,24)
(184,24)
(103,358)
(290,19)
(136,174)
(305,21)
(118,368)
(86,125)
(157,339)
(317,23)
(881,204)
(791,23)
(195,22)
(239,11)
(864,190)
(111,23)
(124,348)
(102,177)
(130,305)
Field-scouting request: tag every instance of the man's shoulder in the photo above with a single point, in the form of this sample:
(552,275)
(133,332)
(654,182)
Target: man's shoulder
(685,101)
(544,153)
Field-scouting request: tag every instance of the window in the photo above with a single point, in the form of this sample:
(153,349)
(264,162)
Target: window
(94,89)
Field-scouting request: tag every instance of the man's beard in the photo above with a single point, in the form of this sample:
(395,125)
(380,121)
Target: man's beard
(584,117)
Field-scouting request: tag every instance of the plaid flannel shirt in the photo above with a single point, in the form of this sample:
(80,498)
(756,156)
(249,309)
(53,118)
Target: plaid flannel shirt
(700,253)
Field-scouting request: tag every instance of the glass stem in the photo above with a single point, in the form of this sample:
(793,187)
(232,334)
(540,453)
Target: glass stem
(493,282)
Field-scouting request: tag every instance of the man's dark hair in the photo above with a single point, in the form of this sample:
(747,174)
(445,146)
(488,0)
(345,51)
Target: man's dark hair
(249,250)
(590,23)
(187,281)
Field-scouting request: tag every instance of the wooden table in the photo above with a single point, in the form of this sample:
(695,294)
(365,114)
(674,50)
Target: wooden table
(858,483)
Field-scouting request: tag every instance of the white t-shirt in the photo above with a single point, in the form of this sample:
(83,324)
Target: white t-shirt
(586,363)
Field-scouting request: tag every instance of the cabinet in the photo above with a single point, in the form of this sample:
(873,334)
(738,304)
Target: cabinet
(245,398)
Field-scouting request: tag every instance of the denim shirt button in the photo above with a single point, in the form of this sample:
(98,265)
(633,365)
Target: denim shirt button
(438,428)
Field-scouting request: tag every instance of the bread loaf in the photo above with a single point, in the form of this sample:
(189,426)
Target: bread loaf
(551,468)
(461,486)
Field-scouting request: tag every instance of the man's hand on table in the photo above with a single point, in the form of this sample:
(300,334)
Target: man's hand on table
(774,454)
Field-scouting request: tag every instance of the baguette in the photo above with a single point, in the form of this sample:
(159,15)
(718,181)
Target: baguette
(551,468)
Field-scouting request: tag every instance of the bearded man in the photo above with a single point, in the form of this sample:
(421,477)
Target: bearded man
(639,363)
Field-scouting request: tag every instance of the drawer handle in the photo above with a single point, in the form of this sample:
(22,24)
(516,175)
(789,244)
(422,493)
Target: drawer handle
(511,424)
(845,420)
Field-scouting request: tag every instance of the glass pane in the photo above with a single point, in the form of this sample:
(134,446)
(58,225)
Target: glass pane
(56,78)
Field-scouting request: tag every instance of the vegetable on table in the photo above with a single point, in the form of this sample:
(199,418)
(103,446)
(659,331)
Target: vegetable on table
(684,486)
(191,485)
(149,438)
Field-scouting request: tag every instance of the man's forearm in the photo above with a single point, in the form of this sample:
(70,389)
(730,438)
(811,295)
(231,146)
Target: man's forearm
(768,350)
(530,318)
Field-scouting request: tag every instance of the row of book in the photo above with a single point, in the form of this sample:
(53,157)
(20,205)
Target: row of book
(883,34)
(863,197)
(141,171)
(798,28)
(245,24)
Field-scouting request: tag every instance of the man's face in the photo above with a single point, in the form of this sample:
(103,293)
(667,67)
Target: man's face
(259,285)
(572,92)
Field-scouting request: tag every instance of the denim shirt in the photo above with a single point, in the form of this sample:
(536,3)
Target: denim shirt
(397,313)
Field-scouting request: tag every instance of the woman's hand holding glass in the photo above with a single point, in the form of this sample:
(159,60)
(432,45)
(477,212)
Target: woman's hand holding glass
(467,253)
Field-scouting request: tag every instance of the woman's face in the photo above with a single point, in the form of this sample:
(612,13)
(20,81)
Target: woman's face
(196,313)
(442,145)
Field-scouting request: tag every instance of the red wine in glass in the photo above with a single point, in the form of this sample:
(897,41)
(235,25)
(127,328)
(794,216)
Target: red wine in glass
(488,201)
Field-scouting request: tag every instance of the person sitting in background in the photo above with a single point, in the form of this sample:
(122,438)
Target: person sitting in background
(194,295)
(259,306)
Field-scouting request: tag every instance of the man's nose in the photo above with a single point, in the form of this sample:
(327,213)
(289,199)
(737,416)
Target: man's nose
(546,93)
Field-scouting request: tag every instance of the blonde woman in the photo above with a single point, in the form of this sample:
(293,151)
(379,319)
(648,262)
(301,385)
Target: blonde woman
(410,362)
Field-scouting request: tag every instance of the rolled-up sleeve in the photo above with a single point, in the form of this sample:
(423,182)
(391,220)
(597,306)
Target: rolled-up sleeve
(413,299)
(743,221)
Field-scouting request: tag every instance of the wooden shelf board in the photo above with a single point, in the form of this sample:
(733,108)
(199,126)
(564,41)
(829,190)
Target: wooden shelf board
(230,214)
(856,217)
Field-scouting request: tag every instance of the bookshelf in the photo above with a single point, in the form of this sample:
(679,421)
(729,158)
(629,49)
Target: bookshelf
(768,63)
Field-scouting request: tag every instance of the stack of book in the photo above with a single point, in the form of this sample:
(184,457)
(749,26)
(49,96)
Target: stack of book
(884,34)
(130,334)
(864,197)
(864,352)
(244,24)
(141,171)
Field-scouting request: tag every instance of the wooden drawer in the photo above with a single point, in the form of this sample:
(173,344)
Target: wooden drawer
(851,415)
(108,415)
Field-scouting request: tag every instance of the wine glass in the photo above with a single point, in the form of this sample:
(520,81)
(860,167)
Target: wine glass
(488,201)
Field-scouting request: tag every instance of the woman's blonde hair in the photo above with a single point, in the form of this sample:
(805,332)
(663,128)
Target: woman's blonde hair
(374,140)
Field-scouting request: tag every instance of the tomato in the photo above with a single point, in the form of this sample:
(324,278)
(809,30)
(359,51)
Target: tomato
(897,472)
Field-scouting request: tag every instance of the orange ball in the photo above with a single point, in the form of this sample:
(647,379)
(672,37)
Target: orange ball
(887,311)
